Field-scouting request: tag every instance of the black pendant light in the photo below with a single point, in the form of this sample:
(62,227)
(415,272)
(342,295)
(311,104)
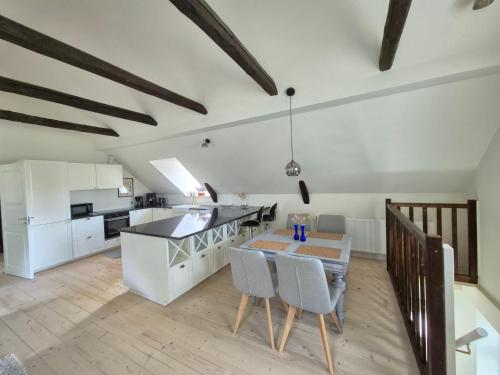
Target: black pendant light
(480,4)
(292,168)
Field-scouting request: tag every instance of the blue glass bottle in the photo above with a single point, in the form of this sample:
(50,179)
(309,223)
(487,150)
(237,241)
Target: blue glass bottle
(303,235)
(296,236)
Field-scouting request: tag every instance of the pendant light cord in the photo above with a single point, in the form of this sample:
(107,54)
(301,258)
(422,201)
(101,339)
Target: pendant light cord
(291,128)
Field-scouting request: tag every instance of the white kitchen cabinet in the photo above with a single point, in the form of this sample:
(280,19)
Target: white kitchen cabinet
(219,256)
(47,193)
(143,216)
(50,245)
(109,176)
(164,213)
(202,265)
(88,236)
(112,242)
(82,176)
(181,278)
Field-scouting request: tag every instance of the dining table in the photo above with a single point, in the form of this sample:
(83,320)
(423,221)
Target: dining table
(332,249)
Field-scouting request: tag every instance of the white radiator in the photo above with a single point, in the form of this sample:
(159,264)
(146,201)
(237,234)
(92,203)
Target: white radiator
(368,235)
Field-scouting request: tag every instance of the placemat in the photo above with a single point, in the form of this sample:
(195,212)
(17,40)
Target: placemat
(284,232)
(269,245)
(326,235)
(319,251)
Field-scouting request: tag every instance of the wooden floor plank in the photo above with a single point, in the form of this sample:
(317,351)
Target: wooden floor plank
(80,319)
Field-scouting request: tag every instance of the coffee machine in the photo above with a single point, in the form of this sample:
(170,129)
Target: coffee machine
(139,202)
(151,199)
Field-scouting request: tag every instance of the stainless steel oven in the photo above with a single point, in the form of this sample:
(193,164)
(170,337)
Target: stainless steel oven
(114,222)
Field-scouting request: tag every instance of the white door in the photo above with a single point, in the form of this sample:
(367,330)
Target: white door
(82,176)
(50,244)
(47,193)
(109,176)
(14,221)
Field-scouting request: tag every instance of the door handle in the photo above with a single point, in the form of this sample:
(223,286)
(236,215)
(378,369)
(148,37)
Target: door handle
(29,219)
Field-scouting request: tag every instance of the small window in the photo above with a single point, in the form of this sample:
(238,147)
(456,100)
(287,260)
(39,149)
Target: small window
(178,175)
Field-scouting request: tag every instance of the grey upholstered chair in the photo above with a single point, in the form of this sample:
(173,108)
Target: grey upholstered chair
(251,275)
(303,285)
(305,219)
(332,224)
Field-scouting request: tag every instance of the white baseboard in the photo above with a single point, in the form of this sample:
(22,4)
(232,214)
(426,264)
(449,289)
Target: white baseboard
(368,255)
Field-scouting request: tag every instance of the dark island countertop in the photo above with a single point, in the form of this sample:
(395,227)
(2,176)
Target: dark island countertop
(183,226)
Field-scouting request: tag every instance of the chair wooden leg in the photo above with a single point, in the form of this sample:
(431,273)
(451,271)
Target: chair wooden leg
(299,314)
(288,325)
(284,304)
(336,321)
(324,337)
(241,310)
(270,323)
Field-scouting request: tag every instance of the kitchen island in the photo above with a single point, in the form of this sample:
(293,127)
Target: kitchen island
(164,259)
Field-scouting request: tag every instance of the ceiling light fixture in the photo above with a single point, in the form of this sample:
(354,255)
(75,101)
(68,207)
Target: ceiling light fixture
(292,168)
(480,4)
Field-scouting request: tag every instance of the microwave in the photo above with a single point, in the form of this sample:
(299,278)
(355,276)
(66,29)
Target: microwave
(81,210)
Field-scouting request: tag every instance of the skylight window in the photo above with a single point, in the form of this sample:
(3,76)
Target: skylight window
(178,175)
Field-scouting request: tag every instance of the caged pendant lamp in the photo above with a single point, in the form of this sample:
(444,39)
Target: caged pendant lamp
(292,168)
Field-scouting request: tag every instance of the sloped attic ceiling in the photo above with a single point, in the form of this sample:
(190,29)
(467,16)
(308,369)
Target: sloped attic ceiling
(421,140)
(428,140)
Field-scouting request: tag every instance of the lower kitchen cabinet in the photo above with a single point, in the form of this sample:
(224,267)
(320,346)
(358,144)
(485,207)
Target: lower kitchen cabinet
(88,236)
(181,278)
(141,216)
(202,265)
(50,245)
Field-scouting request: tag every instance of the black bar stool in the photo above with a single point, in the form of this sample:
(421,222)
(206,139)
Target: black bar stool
(250,224)
(271,216)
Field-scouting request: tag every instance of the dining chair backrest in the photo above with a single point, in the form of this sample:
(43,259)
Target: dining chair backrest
(251,273)
(272,211)
(304,219)
(302,283)
(332,224)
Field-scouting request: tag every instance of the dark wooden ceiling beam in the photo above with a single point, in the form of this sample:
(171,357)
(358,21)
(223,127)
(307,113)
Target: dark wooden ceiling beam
(25,37)
(39,92)
(42,121)
(394,25)
(202,15)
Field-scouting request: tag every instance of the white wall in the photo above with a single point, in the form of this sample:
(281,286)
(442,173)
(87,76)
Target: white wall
(108,199)
(21,141)
(360,206)
(488,191)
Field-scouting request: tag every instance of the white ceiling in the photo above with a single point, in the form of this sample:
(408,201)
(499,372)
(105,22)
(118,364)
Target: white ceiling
(327,49)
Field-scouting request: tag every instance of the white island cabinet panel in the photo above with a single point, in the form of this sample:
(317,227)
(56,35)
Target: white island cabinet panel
(164,213)
(82,176)
(109,176)
(145,266)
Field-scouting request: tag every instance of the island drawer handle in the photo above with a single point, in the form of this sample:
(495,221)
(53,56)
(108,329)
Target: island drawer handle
(182,266)
(89,237)
(203,255)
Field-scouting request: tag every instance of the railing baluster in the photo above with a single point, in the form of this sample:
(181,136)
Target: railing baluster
(439,221)
(454,237)
(424,219)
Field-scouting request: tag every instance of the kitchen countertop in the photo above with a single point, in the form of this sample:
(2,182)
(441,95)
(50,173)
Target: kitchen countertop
(183,226)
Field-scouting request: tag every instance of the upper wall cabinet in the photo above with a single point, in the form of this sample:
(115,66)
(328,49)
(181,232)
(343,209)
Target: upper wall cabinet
(109,176)
(95,176)
(82,176)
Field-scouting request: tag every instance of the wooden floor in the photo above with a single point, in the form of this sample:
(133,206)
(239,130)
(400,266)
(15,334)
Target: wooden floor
(80,319)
